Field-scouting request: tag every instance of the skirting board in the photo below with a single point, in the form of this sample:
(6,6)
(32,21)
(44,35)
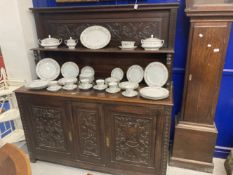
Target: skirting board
(191,164)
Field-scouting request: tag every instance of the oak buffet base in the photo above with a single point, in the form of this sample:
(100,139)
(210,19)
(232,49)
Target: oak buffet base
(97,131)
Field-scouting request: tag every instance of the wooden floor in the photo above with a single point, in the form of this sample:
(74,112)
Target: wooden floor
(45,168)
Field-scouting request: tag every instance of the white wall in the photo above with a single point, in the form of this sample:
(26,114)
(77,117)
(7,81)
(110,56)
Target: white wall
(17,37)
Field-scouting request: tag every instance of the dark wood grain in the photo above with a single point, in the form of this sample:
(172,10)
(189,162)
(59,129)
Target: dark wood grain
(208,41)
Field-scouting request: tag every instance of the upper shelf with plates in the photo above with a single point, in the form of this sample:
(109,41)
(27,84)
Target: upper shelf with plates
(105,50)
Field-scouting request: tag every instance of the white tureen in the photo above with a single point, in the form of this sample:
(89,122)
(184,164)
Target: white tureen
(152,43)
(50,42)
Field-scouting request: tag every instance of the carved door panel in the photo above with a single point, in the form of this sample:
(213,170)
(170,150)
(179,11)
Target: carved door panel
(88,132)
(130,139)
(50,126)
(204,71)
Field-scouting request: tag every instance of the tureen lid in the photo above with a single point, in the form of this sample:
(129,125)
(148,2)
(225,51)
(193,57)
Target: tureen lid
(70,39)
(151,39)
(50,40)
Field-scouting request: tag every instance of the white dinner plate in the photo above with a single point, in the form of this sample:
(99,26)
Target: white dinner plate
(154,93)
(96,87)
(37,84)
(54,88)
(131,94)
(70,87)
(95,37)
(156,74)
(135,73)
(113,90)
(117,73)
(69,70)
(88,70)
(47,69)
(89,86)
(127,48)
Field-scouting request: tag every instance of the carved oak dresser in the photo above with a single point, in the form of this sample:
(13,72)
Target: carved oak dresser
(96,130)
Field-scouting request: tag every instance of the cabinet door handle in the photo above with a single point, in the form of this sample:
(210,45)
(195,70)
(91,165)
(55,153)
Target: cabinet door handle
(70,137)
(107,141)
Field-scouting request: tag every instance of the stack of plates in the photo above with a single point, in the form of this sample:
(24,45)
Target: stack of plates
(155,76)
(154,93)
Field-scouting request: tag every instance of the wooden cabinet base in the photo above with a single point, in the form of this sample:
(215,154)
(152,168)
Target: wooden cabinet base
(194,146)
(97,132)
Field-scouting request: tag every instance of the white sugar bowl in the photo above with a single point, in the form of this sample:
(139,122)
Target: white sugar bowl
(71,43)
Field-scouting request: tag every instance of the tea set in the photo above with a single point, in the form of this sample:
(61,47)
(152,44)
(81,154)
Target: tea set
(155,76)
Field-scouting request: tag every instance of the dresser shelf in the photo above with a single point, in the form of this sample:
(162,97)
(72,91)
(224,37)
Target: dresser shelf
(107,50)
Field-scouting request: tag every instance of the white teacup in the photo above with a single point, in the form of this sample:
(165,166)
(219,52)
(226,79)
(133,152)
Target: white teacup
(112,85)
(85,82)
(100,83)
(127,44)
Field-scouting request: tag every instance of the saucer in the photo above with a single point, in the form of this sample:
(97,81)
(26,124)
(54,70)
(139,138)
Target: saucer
(89,86)
(70,88)
(128,48)
(54,88)
(100,88)
(131,94)
(113,91)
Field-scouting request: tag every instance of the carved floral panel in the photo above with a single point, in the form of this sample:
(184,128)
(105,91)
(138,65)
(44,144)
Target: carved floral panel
(136,30)
(133,139)
(88,133)
(48,127)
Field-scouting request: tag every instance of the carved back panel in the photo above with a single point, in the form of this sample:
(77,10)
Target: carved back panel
(123,22)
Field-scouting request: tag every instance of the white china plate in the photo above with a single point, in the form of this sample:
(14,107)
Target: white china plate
(95,37)
(100,88)
(47,69)
(37,85)
(54,88)
(69,70)
(154,93)
(125,84)
(132,94)
(89,86)
(113,91)
(117,73)
(88,70)
(70,87)
(156,74)
(135,73)
(127,48)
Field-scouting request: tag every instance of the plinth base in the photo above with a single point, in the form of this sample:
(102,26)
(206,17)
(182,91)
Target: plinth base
(193,146)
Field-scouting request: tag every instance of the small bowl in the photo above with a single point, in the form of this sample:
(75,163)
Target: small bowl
(111,79)
(53,83)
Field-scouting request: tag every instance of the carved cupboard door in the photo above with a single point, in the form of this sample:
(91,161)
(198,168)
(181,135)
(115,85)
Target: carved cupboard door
(130,139)
(88,132)
(50,127)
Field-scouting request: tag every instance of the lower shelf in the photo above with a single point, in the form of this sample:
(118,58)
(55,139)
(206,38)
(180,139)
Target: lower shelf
(16,136)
